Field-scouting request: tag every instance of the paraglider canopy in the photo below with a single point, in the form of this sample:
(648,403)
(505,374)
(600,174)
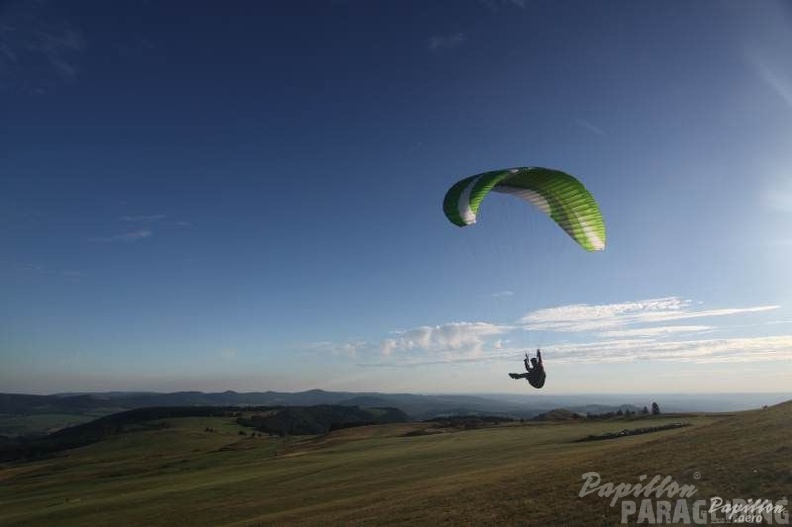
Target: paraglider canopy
(556,193)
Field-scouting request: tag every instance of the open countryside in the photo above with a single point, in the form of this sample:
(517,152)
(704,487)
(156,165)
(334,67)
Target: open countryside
(395,262)
(213,472)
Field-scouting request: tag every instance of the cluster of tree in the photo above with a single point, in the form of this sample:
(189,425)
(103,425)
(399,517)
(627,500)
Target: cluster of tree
(559,414)
(252,434)
(211,430)
(625,413)
(320,419)
(470,422)
(633,432)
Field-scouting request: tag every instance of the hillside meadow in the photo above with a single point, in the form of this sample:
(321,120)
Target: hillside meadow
(404,473)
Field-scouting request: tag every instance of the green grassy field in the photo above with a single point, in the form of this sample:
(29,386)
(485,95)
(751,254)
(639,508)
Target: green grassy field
(42,423)
(516,474)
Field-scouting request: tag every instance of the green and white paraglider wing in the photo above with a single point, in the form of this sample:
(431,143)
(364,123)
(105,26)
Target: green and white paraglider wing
(559,195)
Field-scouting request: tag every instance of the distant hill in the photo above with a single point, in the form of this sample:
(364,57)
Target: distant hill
(320,419)
(23,404)
(559,414)
(279,420)
(414,405)
(59,410)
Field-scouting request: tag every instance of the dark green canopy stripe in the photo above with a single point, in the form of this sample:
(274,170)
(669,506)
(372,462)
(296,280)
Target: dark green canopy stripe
(558,194)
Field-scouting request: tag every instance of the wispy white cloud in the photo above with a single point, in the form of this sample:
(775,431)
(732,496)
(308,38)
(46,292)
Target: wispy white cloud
(501,294)
(468,338)
(632,331)
(74,276)
(34,35)
(42,269)
(590,127)
(619,332)
(774,77)
(351,348)
(125,237)
(143,219)
(702,351)
(585,317)
(651,332)
(441,342)
(767,53)
(56,47)
(439,43)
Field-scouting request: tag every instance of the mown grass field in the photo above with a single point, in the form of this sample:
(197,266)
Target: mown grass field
(33,424)
(521,474)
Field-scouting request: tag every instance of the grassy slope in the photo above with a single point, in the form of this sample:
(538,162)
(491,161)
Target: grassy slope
(524,475)
(43,423)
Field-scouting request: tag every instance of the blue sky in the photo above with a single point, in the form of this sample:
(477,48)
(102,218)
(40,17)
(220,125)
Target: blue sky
(247,195)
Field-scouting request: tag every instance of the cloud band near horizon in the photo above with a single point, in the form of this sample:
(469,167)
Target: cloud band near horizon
(619,332)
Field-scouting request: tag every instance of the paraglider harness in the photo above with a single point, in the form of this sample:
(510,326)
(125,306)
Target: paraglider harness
(535,374)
